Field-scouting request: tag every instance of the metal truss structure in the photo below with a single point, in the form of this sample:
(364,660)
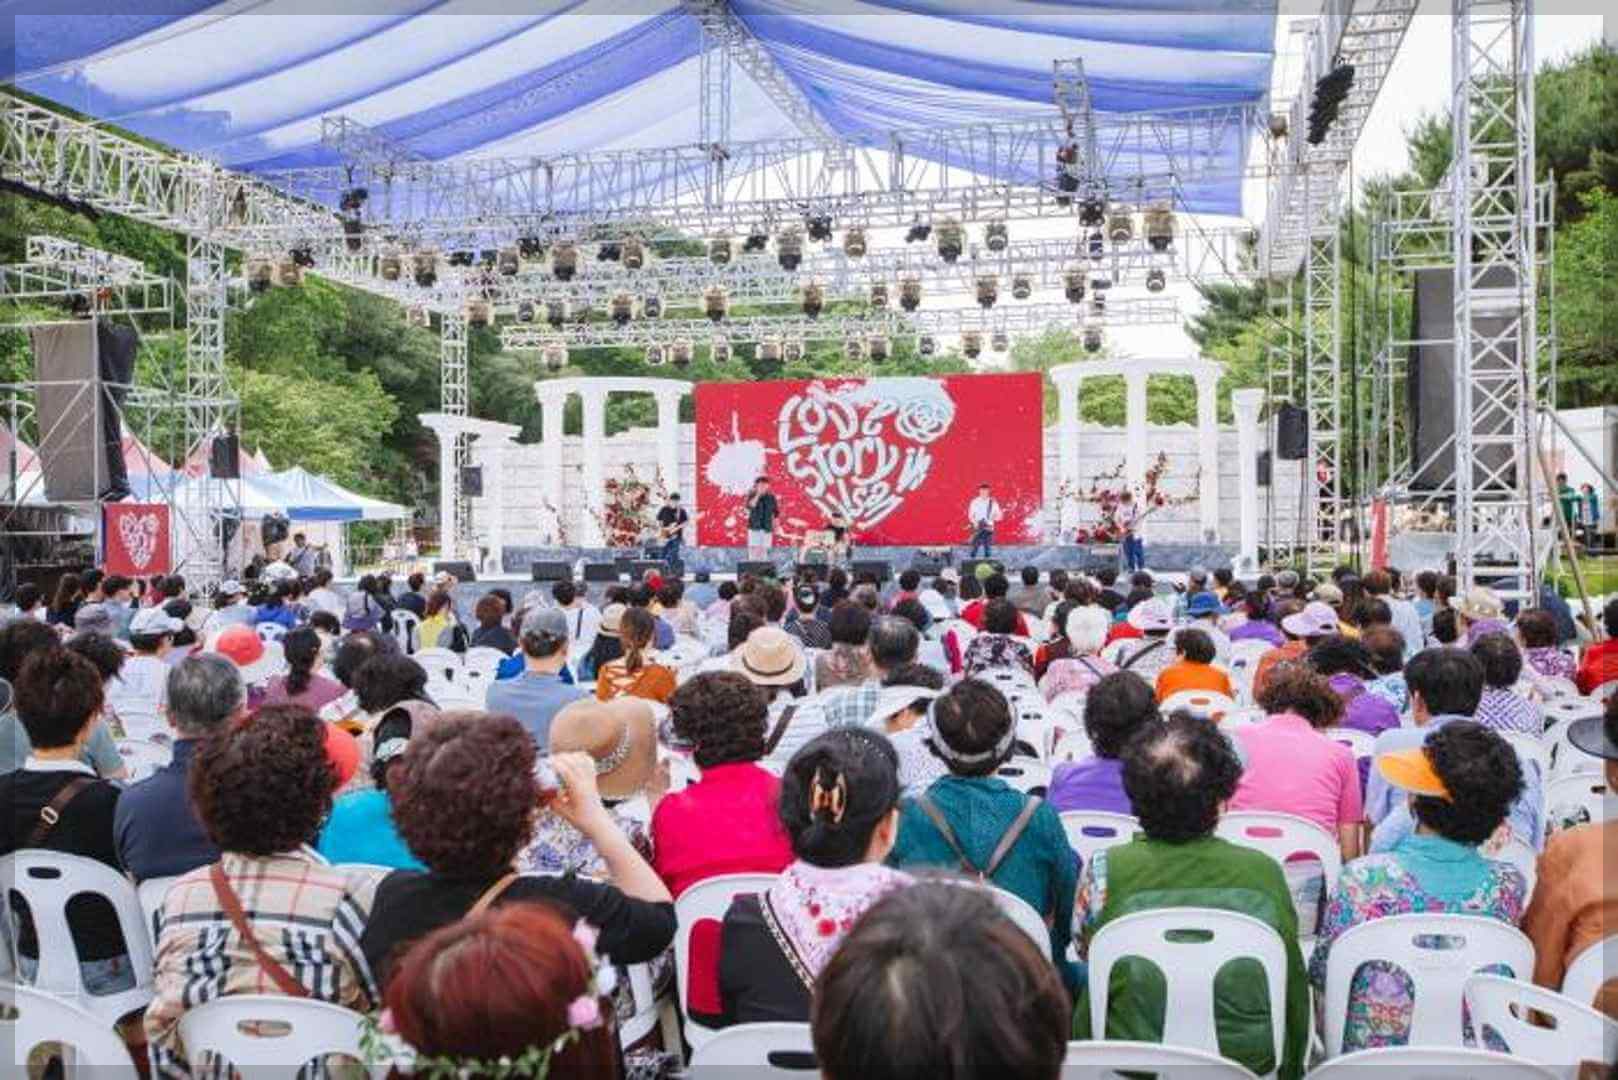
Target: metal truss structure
(87,280)
(730,42)
(454,382)
(1325,482)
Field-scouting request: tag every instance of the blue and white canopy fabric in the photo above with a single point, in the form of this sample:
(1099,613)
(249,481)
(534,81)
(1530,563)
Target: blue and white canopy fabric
(246,82)
(314,498)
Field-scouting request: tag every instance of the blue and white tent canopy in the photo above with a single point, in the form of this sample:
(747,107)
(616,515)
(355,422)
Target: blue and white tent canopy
(247,81)
(314,498)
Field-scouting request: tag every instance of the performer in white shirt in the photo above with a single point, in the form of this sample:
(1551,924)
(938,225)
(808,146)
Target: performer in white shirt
(983,514)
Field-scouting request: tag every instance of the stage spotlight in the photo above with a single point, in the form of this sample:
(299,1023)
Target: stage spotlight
(564,261)
(478,312)
(988,286)
(681,352)
(770,350)
(1120,226)
(556,312)
(651,306)
(525,311)
(634,254)
(1279,125)
(1093,339)
(1097,245)
(999,341)
(918,233)
(972,344)
(416,315)
(1160,228)
(1073,286)
(1330,92)
(878,347)
(462,258)
(555,356)
(1098,304)
(352,200)
(927,345)
(609,252)
(716,303)
(719,349)
(996,236)
(389,266)
(792,351)
(814,300)
(656,355)
(819,227)
(353,234)
(951,240)
(1022,287)
(1067,180)
(260,275)
(530,247)
(1093,211)
(1156,281)
(757,240)
(854,349)
(910,293)
(789,249)
(719,250)
(854,243)
(879,295)
(508,262)
(288,274)
(304,257)
(621,308)
(424,269)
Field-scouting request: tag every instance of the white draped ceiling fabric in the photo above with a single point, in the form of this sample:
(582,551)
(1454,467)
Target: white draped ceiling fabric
(246,82)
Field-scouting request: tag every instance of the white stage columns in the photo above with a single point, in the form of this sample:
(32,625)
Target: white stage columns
(1246,404)
(447,428)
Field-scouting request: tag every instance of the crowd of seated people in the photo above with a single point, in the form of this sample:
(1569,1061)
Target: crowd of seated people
(334,823)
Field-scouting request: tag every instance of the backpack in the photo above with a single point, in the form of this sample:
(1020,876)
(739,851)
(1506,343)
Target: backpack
(1008,839)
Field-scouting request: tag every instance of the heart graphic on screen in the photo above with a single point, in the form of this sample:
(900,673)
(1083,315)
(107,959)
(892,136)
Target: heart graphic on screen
(860,448)
(139,534)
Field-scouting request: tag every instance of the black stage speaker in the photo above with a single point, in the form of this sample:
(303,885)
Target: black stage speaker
(757,569)
(927,563)
(1292,432)
(459,567)
(624,563)
(1263,468)
(551,571)
(880,569)
(472,481)
(812,571)
(969,567)
(1431,383)
(599,572)
(85,369)
(638,568)
(224,457)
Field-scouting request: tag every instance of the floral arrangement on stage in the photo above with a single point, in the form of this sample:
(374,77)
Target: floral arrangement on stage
(629,508)
(560,538)
(1106,492)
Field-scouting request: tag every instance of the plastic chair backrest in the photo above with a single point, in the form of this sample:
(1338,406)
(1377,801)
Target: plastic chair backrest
(1071,702)
(48,880)
(1204,703)
(1247,652)
(1586,791)
(1564,1034)
(142,757)
(774,1051)
(1023,914)
(268,1035)
(1281,836)
(1189,963)
(151,893)
(1105,1059)
(1361,743)
(1430,1063)
(1034,727)
(441,662)
(1567,759)
(1074,746)
(405,625)
(98,1052)
(1028,775)
(1584,976)
(1438,953)
(1090,831)
(270,631)
(704,901)
(484,661)
(1530,748)
(1603,691)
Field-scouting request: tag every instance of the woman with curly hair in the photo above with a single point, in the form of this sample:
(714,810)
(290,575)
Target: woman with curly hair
(465,799)
(632,674)
(272,916)
(1460,785)
(1179,775)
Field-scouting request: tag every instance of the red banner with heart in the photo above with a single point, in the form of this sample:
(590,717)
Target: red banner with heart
(900,457)
(135,539)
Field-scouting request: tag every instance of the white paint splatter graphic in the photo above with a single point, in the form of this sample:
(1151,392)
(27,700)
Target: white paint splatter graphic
(737,463)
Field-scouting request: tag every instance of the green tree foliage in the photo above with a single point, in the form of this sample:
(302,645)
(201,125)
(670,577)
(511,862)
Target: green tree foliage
(1587,304)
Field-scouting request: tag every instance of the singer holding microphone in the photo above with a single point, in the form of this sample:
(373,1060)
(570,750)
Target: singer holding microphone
(761,511)
(983,514)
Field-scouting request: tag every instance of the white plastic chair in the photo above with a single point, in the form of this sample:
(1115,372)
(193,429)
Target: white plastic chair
(1530,748)
(1074,746)
(268,1036)
(702,902)
(1589,970)
(1437,972)
(1028,775)
(484,661)
(1362,744)
(47,880)
(1585,791)
(1189,963)
(142,757)
(1562,711)
(1034,727)
(1430,1063)
(1023,914)
(1603,691)
(151,893)
(1575,1033)
(775,1051)
(406,623)
(1090,831)
(1247,652)
(440,663)
(270,631)
(1106,1059)
(1567,759)
(1071,702)
(93,1050)
(141,720)
(1281,836)
(1208,704)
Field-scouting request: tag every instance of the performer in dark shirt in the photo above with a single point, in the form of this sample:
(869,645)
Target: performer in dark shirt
(671,523)
(761,511)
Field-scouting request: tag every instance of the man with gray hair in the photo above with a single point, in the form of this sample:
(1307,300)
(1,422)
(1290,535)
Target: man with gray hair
(154,828)
(893,643)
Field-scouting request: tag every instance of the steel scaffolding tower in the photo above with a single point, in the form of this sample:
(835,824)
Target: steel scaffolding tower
(454,389)
(1323,397)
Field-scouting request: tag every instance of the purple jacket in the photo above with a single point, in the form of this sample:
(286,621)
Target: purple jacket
(1095,783)
(1370,713)
(1258,630)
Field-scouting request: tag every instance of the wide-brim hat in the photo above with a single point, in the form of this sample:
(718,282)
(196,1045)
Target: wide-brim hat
(1205,603)
(1480,603)
(242,646)
(1315,620)
(893,700)
(771,657)
(612,616)
(1150,615)
(1596,735)
(621,735)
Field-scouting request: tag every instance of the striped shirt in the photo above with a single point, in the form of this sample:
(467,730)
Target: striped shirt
(306,914)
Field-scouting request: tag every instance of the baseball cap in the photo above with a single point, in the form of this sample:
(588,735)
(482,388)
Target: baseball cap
(1315,620)
(152,621)
(1204,603)
(93,619)
(242,646)
(1150,615)
(548,622)
(1412,771)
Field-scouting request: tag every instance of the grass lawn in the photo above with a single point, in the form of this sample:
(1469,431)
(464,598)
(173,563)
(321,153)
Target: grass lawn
(1600,576)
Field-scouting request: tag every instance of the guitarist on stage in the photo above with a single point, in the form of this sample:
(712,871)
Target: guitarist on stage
(671,523)
(1129,522)
(983,513)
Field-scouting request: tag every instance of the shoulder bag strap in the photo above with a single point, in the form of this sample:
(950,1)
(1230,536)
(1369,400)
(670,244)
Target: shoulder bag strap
(490,895)
(780,729)
(1158,644)
(232,905)
(772,923)
(50,814)
(1008,839)
(948,833)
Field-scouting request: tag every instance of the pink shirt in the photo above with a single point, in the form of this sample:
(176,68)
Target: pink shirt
(725,823)
(1294,769)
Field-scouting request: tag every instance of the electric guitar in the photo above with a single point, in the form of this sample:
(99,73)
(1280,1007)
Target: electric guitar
(666,532)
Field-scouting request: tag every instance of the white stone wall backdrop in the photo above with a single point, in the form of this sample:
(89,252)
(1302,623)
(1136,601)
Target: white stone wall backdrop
(1101,449)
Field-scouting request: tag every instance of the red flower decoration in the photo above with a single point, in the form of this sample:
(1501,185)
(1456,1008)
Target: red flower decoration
(814,910)
(826,927)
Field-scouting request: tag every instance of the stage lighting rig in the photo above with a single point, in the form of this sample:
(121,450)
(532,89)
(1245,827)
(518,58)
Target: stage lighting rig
(508,262)
(878,347)
(681,352)
(651,306)
(1120,226)
(424,269)
(996,236)
(1160,229)
(610,252)
(919,233)
(389,266)
(1330,92)
(656,355)
(719,349)
(1067,180)
(792,351)
(972,344)
(757,240)
(525,311)
(999,341)
(951,240)
(854,349)
(1093,211)
(633,254)
(353,234)
(555,356)
(719,251)
(1097,245)
(910,293)
(1156,281)
(462,258)
(854,243)
(789,249)
(814,299)
(260,274)
(352,200)
(304,257)
(988,288)
(1094,339)
(1073,286)
(927,345)
(530,247)
(770,350)
(1098,304)
(288,273)
(564,261)
(716,303)
(621,309)
(818,227)
(417,315)
(1022,287)
(556,313)
(478,312)
(879,295)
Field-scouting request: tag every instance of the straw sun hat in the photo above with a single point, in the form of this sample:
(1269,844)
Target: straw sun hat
(620,735)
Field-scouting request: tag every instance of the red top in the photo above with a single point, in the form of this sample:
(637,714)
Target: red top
(1598,665)
(973,613)
(1122,630)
